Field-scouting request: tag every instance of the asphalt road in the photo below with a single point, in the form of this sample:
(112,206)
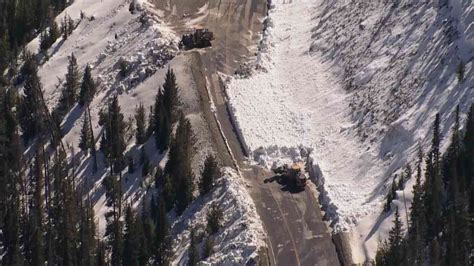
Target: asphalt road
(292,219)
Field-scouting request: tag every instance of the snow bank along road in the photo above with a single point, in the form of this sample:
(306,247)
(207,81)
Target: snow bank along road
(293,221)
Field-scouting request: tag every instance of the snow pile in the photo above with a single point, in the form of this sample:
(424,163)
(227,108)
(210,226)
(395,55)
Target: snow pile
(359,84)
(241,236)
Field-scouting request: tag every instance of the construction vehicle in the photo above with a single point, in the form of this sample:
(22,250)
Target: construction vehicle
(199,38)
(293,174)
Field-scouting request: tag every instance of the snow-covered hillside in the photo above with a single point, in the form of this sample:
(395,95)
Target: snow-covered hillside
(242,236)
(106,35)
(359,83)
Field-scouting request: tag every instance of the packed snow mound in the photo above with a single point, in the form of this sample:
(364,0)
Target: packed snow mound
(241,236)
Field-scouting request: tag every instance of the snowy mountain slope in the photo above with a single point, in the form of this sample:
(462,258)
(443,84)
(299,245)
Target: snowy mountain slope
(242,236)
(359,83)
(149,48)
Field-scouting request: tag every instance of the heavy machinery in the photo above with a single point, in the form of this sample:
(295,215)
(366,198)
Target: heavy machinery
(293,174)
(199,38)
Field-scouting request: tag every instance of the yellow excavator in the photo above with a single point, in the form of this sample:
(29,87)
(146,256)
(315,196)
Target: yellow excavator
(294,174)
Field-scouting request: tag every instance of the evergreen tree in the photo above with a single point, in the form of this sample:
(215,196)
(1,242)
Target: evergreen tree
(169,193)
(54,32)
(214,218)
(11,165)
(146,235)
(170,96)
(179,164)
(87,233)
(435,253)
(468,154)
(131,165)
(162,240)
(395,240)
(113,229)
(70,89)
(416,230)
(208,247)
(193,253)
(85,142)
(34,238)
(209,175)
(31,111)
(166,110)
(433,183)
(151,123)
(88,87)
(392,194)
(141,134)
(101,250)
(131,244)
(113,140)
(145,162)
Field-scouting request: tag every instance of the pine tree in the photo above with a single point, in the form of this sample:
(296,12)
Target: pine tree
(179,164)
(34,245)
(88,87)
(208,247)
(435,253)
(113,140)
(214,219)
(433,183)
(169,194)
(85,142)
(170,96)
(53,32)
(166,110)
(193,253)
(131,244)
(159,123)
(101,250)
(151,123)
(131,165)
(70,90)
(395,241)
(113,229)
(162,240)
(31,111)
(146,235)
(87,235)
(67,26)
(209,175)
(468,152)
(416,230)
(141,134)
(145,162)
(392,194)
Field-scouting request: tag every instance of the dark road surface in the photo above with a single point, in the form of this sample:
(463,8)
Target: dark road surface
(293,221)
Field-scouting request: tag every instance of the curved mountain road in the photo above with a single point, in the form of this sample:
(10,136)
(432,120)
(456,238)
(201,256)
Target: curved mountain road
(293,219)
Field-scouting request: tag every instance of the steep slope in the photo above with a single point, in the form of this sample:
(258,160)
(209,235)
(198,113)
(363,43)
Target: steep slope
(359,84)
(107,34)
